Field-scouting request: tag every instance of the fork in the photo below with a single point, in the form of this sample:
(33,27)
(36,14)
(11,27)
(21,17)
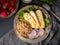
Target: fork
(47,7)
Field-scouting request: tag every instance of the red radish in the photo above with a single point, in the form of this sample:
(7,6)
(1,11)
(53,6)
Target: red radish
(11,8)
(7,7)
(30,36)
(0,12)
(2,1)
(13,3)
(1,5)
(36,36)
(4,13)
(33,33)
(36,33)
(7,0)
(4,7)
(13,0)
(6,4)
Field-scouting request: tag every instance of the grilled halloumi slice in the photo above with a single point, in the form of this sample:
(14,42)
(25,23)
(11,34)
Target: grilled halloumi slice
(35,18)
(41,19)
(30,19)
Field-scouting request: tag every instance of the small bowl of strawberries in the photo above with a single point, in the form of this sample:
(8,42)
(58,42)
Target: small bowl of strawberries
(8,8)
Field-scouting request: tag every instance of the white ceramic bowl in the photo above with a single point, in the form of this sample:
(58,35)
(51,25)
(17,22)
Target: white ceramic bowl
(48,29)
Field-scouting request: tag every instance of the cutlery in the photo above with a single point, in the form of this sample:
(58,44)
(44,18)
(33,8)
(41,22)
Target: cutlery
(49,38)
(47,7)
(52,33)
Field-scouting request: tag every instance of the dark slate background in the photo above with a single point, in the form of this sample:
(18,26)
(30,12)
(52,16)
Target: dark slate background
(6,25)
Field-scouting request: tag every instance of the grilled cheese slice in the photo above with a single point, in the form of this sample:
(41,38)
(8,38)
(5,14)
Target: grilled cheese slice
(35,18)
(30,19)
(41,19)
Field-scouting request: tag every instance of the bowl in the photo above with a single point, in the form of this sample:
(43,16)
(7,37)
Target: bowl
(48,29)
(12,13)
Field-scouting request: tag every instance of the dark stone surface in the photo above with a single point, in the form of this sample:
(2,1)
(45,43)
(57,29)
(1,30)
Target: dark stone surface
(11,39)
(7,24)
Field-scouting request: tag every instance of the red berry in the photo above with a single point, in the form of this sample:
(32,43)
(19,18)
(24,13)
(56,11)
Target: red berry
(2,1)
(6,4)
(12,0)
(4,13)
(0,12)
(11,8)
(1,5)
(13,3)
(7,0)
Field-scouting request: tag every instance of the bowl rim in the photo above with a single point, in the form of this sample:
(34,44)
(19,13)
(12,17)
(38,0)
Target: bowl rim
(28,40)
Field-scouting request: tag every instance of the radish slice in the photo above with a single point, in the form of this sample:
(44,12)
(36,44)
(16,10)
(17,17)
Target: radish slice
(40,32)
(32,34)
(36,33)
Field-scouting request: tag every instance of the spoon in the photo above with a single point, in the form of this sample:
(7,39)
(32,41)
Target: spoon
(47,7)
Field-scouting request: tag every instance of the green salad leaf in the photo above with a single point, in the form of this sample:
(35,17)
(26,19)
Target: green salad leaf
(31,9)
(21,15)
(47,21)
(49,1)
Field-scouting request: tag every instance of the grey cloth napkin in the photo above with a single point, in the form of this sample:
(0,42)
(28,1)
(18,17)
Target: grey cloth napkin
(11,39)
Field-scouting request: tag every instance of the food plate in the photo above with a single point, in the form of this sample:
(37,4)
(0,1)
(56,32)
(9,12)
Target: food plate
(44,28)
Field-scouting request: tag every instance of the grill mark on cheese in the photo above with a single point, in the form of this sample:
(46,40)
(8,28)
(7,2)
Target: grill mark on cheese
(41,19)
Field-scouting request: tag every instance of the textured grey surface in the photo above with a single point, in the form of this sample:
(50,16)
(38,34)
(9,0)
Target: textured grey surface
(5,25)
(11,39)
